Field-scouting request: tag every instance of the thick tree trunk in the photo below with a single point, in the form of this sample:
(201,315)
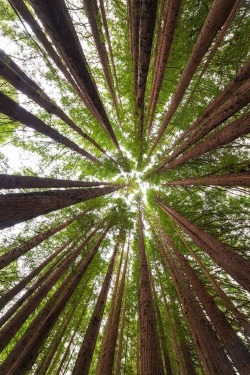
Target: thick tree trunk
(210,349)
(229,133)
(32,182)
(217,15)
(22,283)
(232,343)
(106,359)
(171,16)
(57,22)
(10,329)
(22,249)
(24,206)
(151,361)
(25,352)
(86,351)
(134,20)
(232,179)
(231,262)
(17,113)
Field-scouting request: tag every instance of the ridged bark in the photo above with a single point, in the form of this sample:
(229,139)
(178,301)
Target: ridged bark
(57,22)
(24,206)
(215,19)
(232,179)
(86,351)
(15,112)
(22,249)
(26,350)
(231,262)
(151,361)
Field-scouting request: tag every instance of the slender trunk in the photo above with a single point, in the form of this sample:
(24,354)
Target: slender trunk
(151,361)
(106,359)
(232,179)
(228,92)
(170,22)
(86,351)
(232,309)
(134,34)
(10,329)
(119,349)
(231,262)
(232,343)
(22,284)
(26,350)
(22,249)
(24,206)
(32,182)
(17,113)
(210,349)
(57,22)
(237,128)
(217,15)
(92,12)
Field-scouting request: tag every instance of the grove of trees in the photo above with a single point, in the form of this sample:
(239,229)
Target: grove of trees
(124,180)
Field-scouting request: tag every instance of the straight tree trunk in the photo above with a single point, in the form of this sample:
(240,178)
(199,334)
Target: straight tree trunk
(231,262)
(32,182)
(84,358)
(236,129)
(13,325)
(15,112)
(58,23)
(210,349)
(217,15)
(151,361)
(231,179)
(232,343)
(21,207)
(22,249)
(117,370)
(134,20)
(106,359)
(26,350)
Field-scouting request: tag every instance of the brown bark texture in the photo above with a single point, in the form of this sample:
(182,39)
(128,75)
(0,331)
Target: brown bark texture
(24,206)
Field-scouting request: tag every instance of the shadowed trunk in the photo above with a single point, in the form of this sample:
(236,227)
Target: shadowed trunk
(231,262)
(17,113)
(86,351)
(25,206)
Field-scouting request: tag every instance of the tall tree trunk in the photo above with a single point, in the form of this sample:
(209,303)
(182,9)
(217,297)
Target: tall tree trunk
(170,22)
(59,25)
(17,113)
(232,343)
(22,283)
(22,249)
(210,349)
(24,206)
(86,351)
(13,325)
(106,359)
(217,15)
(151,361)
(237,128)
(134,20)
(117,370)
(26,350)
(231,262)
(32,182)
(231,179)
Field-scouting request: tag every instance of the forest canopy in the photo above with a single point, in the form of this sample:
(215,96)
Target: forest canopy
(125,174)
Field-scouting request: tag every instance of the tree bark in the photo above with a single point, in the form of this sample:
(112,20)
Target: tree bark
(24,206)
(25,352)
(86,351)
(17,113)
(231,262)
(217,15)
(58,24)
(151,361)
(22,249)
(232,179)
